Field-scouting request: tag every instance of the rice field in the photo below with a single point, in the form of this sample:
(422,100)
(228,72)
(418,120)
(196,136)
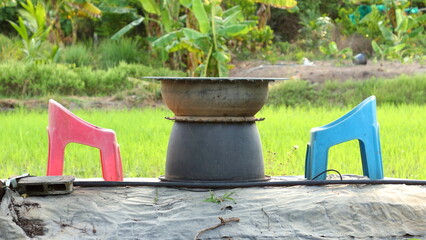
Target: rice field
(143,136)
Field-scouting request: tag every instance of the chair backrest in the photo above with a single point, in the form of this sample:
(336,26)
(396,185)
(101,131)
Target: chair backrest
(55,106)
(368,102)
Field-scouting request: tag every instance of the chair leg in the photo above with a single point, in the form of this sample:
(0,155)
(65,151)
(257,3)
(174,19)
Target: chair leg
(112,169)
(318,162)
(363,157)
(308,161)
(371,159)
(55,163)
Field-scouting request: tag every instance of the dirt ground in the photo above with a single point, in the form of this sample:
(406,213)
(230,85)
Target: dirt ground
(320,71)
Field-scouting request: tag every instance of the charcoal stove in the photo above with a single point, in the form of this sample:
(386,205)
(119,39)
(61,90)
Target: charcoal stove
(214,136)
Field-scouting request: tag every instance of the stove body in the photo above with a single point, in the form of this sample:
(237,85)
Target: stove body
(214,136)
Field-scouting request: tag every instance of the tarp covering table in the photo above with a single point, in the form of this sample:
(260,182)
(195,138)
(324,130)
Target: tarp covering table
(298,212)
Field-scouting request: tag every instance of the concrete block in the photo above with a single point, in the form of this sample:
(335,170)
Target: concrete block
(46,185)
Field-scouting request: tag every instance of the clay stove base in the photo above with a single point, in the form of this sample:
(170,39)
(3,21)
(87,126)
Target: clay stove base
(214,152)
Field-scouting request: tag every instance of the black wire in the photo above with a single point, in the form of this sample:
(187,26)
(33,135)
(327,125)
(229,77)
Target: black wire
(223,185)
(329,170)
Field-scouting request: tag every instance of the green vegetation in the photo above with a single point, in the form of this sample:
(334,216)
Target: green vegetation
(200,37)
(122,50)
(207,46)
(219,199)
(33,29)
(104,48)
(143,137)
(77,55)
(26,79)
(400,90)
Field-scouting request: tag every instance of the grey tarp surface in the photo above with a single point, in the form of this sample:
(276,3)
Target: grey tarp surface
(299,212)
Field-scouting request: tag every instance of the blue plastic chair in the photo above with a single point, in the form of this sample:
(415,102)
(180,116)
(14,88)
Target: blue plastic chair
(360,123)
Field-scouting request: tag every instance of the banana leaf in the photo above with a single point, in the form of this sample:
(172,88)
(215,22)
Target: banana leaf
(377,49)
(87,9)
(415,32)
(150,6)
(250,23)
(324,50)
(421,19)
(223,69)
(387,34)
(221,57)
(333,47)
(193,34)
(234,30)
(231,11)
(165,40)
(119,10)
(233,18)
(397,48)
(185,3)
(127,28)
(401,21)
(179,45)
(201,15)
(166,20)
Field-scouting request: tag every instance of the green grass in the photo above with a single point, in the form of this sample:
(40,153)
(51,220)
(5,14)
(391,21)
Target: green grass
(143,136)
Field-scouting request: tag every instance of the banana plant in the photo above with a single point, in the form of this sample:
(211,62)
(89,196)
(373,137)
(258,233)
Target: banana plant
(407,27)
(333,51)
(160,17)
(207,44)
(399,42)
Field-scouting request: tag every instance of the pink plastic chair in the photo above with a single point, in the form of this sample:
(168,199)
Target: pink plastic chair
(65,127)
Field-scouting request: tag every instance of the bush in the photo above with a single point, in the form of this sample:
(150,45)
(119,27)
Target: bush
(401,90)
(112,52)
(292,93)
(79,55)
(101,82)
(9,48)
(26,79)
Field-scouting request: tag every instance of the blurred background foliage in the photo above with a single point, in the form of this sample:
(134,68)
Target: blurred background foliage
(103,33)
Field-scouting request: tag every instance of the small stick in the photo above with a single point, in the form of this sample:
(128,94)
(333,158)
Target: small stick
(267,215)
(223,221)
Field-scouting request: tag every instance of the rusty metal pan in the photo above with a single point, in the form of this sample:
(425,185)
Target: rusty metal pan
(207,98)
